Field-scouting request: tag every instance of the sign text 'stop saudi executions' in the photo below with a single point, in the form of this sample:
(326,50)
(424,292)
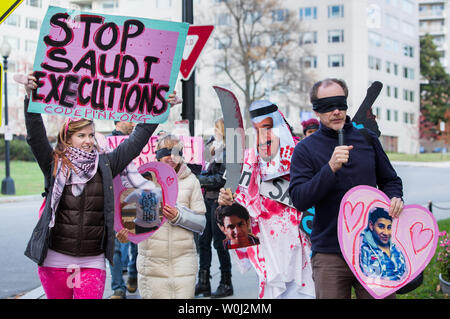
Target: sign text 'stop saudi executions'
(106,67)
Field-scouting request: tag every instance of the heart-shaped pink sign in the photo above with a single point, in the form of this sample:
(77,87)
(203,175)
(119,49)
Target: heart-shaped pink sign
(164,173)
(384,254)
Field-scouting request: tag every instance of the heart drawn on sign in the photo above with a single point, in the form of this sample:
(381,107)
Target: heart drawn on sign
(420,237)
(170,180)
(352,215)
(383,253)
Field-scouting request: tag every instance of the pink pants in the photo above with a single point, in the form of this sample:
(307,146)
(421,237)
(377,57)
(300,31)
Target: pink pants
(82,283)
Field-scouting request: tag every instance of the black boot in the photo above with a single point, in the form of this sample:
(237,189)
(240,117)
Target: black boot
(225,287)
(203,286)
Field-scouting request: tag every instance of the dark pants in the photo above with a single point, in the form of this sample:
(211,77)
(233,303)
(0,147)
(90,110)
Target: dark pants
(333,278)
(212,232)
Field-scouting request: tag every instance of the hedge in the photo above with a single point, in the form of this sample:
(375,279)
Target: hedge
(19,150)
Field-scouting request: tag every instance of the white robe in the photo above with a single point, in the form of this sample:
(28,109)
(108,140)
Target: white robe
(282,259)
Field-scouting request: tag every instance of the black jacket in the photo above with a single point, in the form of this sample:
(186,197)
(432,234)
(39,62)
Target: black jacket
(313,183)
(109,165)
(212,179)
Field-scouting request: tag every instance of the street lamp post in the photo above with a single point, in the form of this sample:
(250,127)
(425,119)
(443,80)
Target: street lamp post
(7,183)
(188,95)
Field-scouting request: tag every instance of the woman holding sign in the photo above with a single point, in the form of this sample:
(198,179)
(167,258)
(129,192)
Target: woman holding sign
(75,232)
(167,261)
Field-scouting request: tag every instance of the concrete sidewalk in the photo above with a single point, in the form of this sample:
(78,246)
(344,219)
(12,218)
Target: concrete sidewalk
(245,286)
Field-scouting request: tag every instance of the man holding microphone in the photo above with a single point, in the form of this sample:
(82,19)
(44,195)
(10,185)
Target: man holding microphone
(323,168)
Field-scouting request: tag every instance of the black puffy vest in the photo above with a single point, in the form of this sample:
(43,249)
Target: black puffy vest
(79,228)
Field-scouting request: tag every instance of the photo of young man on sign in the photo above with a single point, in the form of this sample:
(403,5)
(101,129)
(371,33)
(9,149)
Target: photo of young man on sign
(234,222)
(379,256)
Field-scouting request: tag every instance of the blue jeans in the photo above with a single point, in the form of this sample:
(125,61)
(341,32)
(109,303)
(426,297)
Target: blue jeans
(120,255)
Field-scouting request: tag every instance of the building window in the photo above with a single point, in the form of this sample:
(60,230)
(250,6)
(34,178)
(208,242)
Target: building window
(388,115)
(34,3)
(222,43)
(395,92)
(395,116)
(374,63)
(308,13)
(411,96)
(395,69)
(109,5)
(13,41)
(388,67)
(336,11)
(31,23)
(389,143)
(392,22)
(408,51)
(309,62)
(388,90)
(335,36)
(408,73)
(282,63)
(13,20)
(408,28)
(223,19)
(309,37)
(163,4)
(336,61)
(408,6)
(279,15)
(375,39)
(405,117)
(405,95)
(378,113)
(392,45)
(30,46)
(252,17)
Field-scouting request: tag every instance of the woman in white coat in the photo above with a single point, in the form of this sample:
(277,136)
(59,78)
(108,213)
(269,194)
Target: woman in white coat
(167,261)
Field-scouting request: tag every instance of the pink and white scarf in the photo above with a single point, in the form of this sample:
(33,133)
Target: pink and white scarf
(85,163)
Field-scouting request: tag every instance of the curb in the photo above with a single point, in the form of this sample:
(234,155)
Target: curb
(36,293)
(422,164)
(13,199)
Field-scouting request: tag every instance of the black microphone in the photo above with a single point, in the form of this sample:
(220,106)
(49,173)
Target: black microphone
(341,137)
(211,139)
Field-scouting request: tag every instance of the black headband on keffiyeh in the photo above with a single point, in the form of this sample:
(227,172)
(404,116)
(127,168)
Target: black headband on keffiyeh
(263,110)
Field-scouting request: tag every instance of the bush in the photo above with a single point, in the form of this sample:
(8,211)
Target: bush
(19,150)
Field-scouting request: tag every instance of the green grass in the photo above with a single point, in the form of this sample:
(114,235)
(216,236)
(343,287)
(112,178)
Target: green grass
(428,289)
(27,176)
(424,157)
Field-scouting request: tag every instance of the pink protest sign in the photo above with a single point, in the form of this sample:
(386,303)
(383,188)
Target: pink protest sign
(168,181)
(106,67)
(192,149)
(384,253)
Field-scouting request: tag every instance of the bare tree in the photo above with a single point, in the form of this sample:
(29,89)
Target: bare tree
(259,48)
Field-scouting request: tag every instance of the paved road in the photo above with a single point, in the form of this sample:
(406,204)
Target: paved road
(19,274)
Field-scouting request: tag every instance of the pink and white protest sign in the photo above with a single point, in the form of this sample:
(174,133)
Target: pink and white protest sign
(106,67)
(166,177)
(192,149)
(384,254)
